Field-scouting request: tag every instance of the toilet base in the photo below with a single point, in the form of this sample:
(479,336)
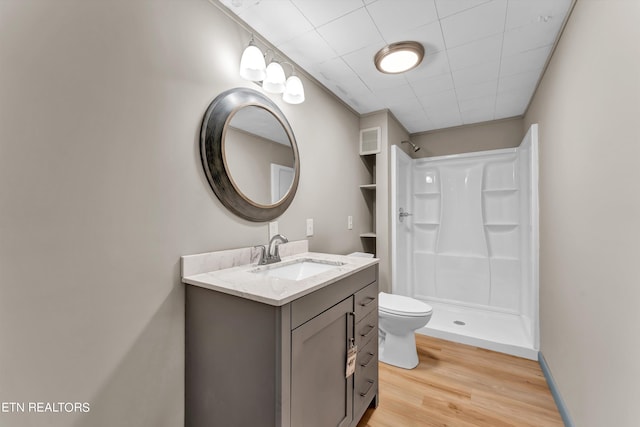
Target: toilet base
(398,350)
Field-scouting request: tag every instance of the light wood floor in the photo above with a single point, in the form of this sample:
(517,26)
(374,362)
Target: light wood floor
(457,385)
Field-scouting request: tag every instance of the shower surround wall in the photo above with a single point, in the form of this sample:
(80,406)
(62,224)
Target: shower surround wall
(467,247)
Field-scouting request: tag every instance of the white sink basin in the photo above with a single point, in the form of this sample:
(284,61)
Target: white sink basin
(299,270)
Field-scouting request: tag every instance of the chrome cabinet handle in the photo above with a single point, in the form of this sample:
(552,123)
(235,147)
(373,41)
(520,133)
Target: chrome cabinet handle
(365,364)
(372,327)
(371,382)
(371,299)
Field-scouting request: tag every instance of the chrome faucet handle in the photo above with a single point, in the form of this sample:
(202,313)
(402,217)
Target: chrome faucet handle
(263,254)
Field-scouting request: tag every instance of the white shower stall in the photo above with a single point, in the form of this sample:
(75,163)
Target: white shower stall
(465,241)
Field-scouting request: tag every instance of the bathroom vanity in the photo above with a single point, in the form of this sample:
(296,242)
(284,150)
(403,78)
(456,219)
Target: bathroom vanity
(266,348)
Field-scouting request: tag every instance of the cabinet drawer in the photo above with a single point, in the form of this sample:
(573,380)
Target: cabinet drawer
(366,300)
(309,306)
(367,329)
(367,356)
(366,385)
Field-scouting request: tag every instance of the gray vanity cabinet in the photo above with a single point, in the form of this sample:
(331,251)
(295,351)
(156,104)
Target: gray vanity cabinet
(254,364)
(318,369)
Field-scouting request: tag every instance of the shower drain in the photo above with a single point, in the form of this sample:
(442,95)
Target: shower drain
(459,322)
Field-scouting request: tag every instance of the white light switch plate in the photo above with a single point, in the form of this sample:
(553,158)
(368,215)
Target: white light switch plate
(309,227)
(349,222)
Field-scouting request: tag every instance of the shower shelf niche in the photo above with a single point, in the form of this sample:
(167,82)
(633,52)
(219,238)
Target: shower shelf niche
(499,190)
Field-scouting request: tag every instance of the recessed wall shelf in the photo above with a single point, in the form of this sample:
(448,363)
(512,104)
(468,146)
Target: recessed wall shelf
(370,234)
(505,226)
(499,190)
(368,187)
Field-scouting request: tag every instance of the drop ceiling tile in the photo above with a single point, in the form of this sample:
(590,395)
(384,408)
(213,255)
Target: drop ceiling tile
(379,82)
(237,7)
(432,65)
(524,61)
(523,81)
(510,104)
(446,100)
(477,90)
(351,32)
(335,71)
(393,16)
(418,125)
(361,60)
(277,24)
(321,12)
(353,92)
(449,7)
(486,103)
(396,95)
(477,52)
(360,98)
(429,35)
(529,37)
(473,24)
(509,110)
(521,13)
(445,119)
(477,74)
(476,116)
(410,110)
(308,48)
(431,85)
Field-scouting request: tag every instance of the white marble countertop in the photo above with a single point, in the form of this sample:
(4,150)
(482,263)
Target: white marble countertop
(240,281)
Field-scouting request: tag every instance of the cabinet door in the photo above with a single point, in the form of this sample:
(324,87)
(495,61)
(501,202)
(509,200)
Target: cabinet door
(321,396)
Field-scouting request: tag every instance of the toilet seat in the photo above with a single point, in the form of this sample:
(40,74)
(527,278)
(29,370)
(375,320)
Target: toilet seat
(402,306)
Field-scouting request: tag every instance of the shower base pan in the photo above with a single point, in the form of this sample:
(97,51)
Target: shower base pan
(502,332)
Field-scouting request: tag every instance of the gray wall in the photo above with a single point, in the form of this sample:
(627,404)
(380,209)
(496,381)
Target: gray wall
(465,139)
(101,192)
(588,106)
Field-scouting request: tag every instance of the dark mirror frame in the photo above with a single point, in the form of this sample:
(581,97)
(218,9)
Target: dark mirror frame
(216,119)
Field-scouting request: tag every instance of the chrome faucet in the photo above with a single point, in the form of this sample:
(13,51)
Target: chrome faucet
(271,254)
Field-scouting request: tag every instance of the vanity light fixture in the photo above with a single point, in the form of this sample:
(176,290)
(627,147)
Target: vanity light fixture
(252,65)
(294,92)
(271,77)
(275,80)
(399,57)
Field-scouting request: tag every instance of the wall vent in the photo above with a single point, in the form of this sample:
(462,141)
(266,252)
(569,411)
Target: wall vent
(370,141)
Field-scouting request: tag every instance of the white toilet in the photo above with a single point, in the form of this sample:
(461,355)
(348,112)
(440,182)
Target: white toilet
(399,317)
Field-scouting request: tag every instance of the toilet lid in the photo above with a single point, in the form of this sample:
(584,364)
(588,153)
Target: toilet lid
(401,305)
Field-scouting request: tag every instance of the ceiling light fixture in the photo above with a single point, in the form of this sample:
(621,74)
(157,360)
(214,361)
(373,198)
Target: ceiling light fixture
(271,77)
(399,57)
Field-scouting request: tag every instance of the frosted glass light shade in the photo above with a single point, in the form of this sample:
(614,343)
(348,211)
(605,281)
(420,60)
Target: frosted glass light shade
(274,82)
(294,92)
(252,65)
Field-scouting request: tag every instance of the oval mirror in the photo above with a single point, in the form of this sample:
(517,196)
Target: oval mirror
(249,154)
